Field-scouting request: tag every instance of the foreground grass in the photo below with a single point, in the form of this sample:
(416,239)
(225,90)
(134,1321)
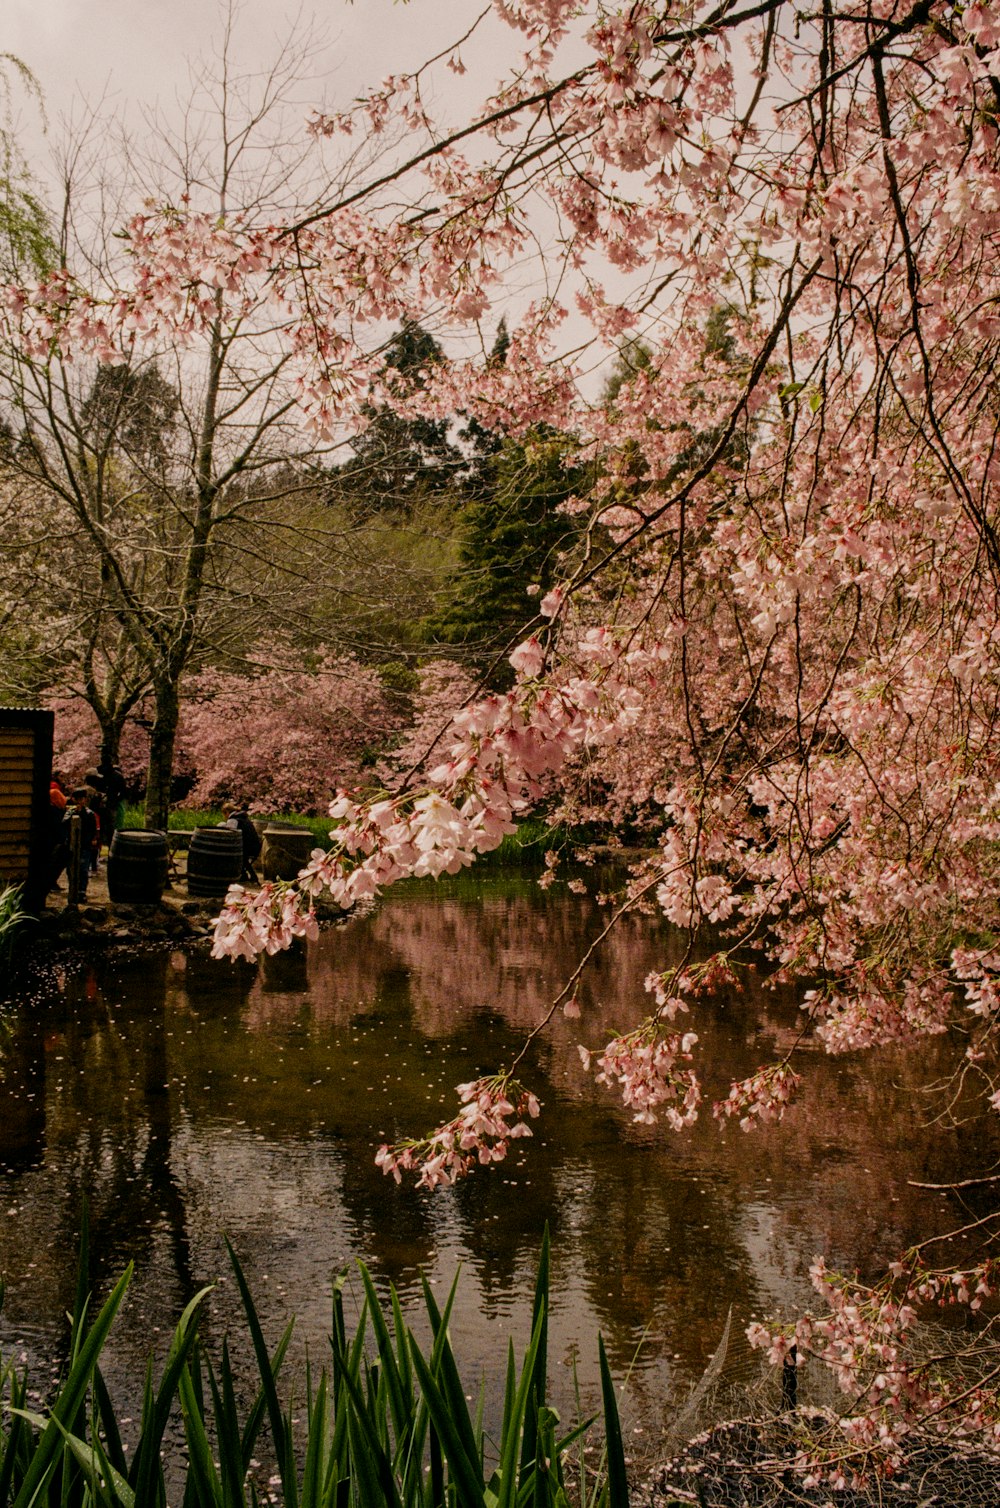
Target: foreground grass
(387,1427)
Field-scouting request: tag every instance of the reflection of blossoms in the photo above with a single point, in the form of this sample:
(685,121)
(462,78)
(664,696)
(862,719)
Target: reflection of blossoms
(644,1064)
(491,1117)
(764,1096)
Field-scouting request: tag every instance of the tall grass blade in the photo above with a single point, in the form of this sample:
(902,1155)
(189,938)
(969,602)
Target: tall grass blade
(313,1472)
(15,1458)
(400,1406)
(462,1467)
(446,1372)
(202,1473)
(538,1381)
(146,1473)
(48,1451)
(107,1485)
(109,1429)
(227,1431)
(402,1347)
(279,1430)
(617,1478)
(367,1451)
(516,1423)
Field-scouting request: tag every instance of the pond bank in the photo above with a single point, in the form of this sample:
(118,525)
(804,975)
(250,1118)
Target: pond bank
(98,922)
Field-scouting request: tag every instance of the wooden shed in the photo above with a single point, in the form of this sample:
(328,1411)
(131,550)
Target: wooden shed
(25,773)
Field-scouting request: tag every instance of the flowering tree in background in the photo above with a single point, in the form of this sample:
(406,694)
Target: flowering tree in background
(789,578)
(283,740)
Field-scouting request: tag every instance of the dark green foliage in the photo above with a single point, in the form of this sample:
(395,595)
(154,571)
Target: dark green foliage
(513,537)
(131,411)
(24,229)
(389,1427)
(27,246)
(633,356)
(398,459)
(12,916)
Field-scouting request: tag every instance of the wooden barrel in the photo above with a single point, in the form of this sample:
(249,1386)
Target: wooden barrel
(215,861)
(286,850)
(137,867)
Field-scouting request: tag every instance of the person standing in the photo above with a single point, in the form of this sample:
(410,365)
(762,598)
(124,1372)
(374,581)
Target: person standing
(239,818)
(79,805)
(114,796)
(58,852)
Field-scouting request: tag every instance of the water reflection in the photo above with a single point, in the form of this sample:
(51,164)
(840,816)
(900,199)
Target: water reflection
(189,1099)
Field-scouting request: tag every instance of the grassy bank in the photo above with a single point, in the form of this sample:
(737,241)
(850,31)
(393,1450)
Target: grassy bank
(528,845)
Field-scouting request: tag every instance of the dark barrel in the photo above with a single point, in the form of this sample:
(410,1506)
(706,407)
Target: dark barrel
(215,861)
(137,867)
(286,850)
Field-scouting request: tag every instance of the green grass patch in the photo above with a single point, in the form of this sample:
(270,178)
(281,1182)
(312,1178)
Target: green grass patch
(183,820)
(528,846)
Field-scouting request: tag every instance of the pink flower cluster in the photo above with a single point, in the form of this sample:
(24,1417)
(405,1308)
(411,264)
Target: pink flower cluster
(644,1065)
(863,1339)
(764,1096)
(495,755)
(491,1117)
(263,923)
(979,971)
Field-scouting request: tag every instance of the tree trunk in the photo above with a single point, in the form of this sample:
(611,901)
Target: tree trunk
(112,727)
(161,755)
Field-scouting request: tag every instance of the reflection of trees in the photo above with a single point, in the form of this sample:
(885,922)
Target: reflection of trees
(465,975)
(109,1122)
(508,955)
(22,1093)
(108,1138)
(395,1222)
(200,982)
(264,1104)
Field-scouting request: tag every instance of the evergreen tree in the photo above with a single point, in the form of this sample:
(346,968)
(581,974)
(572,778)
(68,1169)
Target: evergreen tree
(132,411)
(513,537)
(398,459)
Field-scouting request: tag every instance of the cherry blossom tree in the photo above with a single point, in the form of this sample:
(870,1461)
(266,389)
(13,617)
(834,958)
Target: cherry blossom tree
(163,462)
(283,740)
(789,580)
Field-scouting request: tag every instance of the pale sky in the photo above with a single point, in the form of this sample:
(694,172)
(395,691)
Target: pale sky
(137,54)
(139,51)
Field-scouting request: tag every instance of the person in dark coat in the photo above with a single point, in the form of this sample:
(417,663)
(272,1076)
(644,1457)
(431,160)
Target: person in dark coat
(239,818)
(99,806)
(114,796)
(79,804)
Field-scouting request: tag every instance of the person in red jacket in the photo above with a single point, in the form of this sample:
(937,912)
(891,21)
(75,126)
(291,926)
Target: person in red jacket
(58,851)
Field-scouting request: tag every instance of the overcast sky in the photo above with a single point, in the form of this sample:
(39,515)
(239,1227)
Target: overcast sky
(139,51)
(137,54)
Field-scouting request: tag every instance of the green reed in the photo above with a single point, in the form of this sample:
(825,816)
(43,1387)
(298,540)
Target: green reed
(388,1426)
(11,917)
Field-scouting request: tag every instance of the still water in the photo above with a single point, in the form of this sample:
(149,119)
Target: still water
(190,1100)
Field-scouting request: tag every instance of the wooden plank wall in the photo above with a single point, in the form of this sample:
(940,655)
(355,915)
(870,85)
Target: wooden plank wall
(25,772)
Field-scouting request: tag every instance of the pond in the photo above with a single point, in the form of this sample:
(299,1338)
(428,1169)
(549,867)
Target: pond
(189,1100)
